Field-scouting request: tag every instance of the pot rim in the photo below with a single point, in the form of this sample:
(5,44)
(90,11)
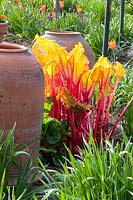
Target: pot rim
(12,48)
(4,23)
(62,33)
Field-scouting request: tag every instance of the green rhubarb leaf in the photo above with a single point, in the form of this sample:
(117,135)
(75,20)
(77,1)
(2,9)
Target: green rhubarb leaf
(54,137)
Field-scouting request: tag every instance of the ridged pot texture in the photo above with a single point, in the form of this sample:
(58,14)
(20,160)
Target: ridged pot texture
(21,99)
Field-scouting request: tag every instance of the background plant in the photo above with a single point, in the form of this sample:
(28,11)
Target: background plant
(27,175)
(29,21)
(98,173)
(7,154)
(123,94)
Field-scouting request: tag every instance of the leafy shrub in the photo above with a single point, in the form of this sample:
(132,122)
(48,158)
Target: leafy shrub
(26,175)
(54,134)
(123,94)
(81,96)
(98,173)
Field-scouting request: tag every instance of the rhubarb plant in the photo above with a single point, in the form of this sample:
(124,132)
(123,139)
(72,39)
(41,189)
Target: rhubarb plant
(81,96)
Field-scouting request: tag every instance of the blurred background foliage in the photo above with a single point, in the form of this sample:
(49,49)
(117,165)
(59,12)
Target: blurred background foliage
(26,19)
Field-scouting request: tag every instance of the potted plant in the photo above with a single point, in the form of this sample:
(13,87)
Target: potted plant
(3,23)
(21,77)
(65,35)
(3,27)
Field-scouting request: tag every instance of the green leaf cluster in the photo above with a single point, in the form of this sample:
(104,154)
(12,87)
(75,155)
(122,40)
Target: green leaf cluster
(99,173)
(123,95)
(54,135)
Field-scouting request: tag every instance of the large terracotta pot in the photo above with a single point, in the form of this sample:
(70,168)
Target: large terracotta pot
(3,30)
(21,99)
(68,39)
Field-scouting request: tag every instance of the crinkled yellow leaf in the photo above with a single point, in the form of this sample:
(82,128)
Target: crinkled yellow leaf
(51,69)
(119,70)
(66,98)
(58,63)
(47,51)
(86,81)
(95,74)
(78,62)
(70,102)
(104,66)
(47,84)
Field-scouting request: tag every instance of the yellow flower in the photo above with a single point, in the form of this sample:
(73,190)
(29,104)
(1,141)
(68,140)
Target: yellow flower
(2,18)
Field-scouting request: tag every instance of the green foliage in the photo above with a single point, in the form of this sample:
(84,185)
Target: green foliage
(7,154)
(123,95)
(129,119)
(129,7)
(1,3)
(90,22)
(27,174)
(54,134)
(98,173)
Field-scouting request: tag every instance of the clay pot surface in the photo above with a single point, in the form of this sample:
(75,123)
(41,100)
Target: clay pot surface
(68,39)
(3,30)
(21,99)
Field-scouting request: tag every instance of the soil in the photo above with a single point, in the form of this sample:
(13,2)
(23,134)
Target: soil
(11,38)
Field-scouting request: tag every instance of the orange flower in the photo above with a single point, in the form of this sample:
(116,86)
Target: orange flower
(21,8)
(3,17)
(17,1)
(43,8)
(112,44)
(61,3)
(53,14)
(79,10)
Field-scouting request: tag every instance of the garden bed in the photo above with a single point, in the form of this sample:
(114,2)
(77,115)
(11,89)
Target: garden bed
(88,111)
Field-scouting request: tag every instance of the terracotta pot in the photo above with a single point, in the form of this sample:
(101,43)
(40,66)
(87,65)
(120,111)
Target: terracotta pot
(68,39)
(3,30)
(21,99)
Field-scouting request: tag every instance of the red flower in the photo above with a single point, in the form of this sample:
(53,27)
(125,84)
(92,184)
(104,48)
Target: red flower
(17,1)
(43,8)
(61,3)
(54,15)
(21,8)
(79,10)
(112,44)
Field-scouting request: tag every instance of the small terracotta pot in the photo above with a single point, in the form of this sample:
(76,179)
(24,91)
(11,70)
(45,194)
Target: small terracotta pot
(3,30)
(21,99)
(68,39)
